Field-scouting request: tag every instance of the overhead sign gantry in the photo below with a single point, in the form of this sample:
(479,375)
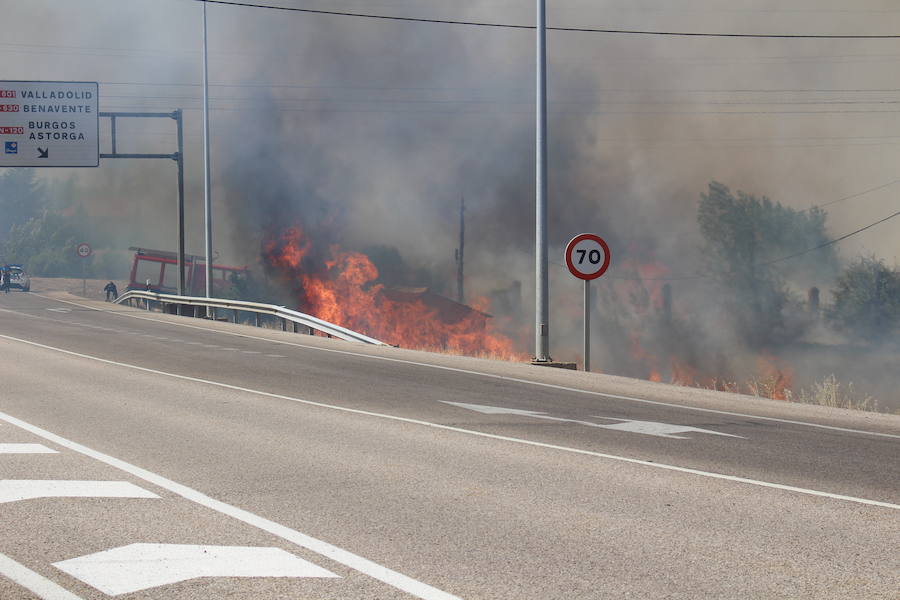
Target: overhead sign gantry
(57,124)
(49,124)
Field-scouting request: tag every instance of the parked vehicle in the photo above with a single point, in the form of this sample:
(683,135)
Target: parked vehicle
(18,278)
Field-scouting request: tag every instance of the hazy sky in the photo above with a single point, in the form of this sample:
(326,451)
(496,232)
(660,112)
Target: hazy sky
(380,126)
(821,123)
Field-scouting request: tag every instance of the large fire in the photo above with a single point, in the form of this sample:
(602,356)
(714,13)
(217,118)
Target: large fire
(342,289)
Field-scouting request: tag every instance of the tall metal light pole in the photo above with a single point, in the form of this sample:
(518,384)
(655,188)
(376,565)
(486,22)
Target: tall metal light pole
(207,197)
(542,286)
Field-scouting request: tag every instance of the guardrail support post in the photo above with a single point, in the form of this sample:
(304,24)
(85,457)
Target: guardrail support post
(295,327)
(256,318)
(234,315)
(284,324)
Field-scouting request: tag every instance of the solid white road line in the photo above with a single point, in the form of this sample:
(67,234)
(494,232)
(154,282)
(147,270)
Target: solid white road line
(37,584)
(646,463)
(137,567)
(482,374)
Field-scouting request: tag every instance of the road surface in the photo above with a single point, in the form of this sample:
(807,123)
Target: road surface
(153,456)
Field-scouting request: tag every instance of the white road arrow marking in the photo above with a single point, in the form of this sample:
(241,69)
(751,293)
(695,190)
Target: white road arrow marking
(642,427)
(659,429)
(498,410)
(13,490)
(138,567)
(26,449)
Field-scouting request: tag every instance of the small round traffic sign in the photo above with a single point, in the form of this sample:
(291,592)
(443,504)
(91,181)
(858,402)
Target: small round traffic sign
(587,256)
(83,250)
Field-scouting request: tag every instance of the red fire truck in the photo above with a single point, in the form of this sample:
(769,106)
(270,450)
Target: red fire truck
(157,270)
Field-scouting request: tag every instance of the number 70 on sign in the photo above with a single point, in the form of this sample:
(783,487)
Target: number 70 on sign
(587,256)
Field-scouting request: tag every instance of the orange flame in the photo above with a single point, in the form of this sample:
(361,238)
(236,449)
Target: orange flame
(777,378)
(645,359)
(683,373)
(342,290)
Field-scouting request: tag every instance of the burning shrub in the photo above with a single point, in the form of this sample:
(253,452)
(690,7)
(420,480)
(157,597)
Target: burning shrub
(867,300)
(343,288)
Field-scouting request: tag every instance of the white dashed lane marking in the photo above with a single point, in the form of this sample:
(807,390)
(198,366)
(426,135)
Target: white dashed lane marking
(300,567)
(26,449)
(13,490)
(42,587)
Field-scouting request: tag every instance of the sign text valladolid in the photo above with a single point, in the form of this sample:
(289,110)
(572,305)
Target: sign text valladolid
(49,124)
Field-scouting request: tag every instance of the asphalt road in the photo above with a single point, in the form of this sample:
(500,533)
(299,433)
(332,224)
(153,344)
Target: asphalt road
(152,456)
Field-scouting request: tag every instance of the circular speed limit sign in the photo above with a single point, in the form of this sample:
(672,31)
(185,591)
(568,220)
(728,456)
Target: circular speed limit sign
(83,250)
(587,256)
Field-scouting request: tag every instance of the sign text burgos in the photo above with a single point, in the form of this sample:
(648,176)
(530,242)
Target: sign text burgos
(49,124)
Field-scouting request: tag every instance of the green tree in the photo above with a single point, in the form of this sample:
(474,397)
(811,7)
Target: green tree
(744,236)
(33,231)
(867,299)
(22,197)
(45,244)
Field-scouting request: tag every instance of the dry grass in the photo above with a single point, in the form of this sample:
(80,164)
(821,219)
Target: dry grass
(830,392)
(769,387)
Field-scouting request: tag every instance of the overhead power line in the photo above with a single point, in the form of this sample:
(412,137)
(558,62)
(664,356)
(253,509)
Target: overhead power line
(569,29)
(517,101)
(862,193)
(830,242)
(790,256)
(515,89)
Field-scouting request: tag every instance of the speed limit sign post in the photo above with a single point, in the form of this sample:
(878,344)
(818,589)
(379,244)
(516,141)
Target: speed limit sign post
(587,257)
(83,250)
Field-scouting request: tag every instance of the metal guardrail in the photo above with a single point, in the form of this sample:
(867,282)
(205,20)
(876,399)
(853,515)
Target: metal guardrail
(285,314)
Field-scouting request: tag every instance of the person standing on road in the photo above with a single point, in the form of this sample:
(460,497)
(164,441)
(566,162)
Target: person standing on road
(111,291)
(5,279)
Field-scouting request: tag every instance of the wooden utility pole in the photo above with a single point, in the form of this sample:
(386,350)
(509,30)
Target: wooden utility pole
(460,252)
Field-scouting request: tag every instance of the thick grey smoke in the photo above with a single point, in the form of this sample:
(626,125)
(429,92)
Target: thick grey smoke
(366,133)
